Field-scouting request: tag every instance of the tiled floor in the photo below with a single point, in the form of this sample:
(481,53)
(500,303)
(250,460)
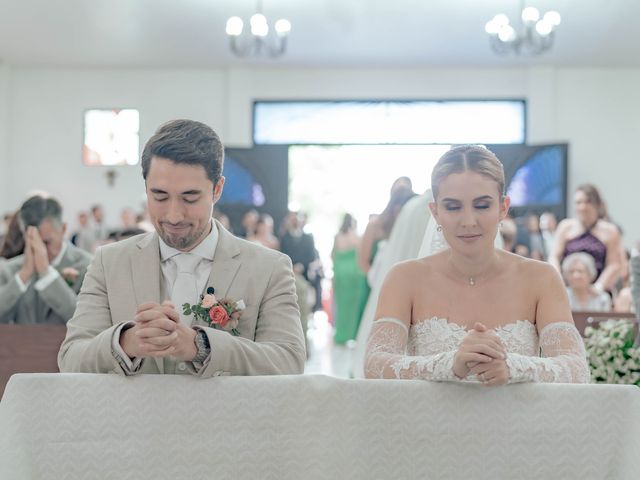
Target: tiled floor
(325,357)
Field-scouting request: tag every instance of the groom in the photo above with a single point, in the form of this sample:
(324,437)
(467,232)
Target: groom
(129,317)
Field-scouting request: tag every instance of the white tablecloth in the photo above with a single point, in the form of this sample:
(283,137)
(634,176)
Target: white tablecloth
(68,426)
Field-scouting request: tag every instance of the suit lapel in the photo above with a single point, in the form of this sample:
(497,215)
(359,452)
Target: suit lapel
(225,264)
(145,271)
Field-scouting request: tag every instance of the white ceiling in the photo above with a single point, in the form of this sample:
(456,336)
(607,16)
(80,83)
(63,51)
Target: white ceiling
(190,33)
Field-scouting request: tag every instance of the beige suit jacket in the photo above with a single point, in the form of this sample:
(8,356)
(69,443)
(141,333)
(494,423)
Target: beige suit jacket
(126,274)
(53,305)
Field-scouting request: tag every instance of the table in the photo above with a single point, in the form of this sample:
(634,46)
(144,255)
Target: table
(306,427)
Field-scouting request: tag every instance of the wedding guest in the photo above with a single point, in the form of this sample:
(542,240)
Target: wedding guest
(579,271)
(248,223)
(634,267)
(379,227)
(401,183)
(223,218)
(131,316)
(350,288)
(298,244)
(6,221)
(82,237)
(536,242)
(590,233)
(127,219)
(13,242)
(315,270)
(142,220)
(508,231)
(40,286)
(474,312)
(548,225)
(623,299)
(98,227)
(263,234)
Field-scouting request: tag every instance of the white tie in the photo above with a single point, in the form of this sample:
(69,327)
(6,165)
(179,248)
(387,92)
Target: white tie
(185,289)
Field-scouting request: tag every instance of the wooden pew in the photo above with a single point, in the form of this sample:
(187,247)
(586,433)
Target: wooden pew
(584,319)
(29,349)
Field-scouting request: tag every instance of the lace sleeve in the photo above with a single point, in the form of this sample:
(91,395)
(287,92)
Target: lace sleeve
(386,355)
(563,358)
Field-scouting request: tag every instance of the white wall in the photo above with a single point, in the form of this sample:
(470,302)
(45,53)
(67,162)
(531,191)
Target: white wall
(595,110)
(4,114)
(46,125)
(247,85)
(598,111)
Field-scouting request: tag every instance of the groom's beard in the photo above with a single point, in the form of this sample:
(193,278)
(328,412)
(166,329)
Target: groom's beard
(182,241)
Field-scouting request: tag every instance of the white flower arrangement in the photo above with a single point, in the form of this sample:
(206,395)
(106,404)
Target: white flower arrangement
(611,354)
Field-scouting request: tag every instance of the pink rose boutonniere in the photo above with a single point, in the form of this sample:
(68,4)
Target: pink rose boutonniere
(223,314)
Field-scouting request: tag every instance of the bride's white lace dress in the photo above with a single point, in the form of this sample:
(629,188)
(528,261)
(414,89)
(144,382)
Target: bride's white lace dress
(427,349)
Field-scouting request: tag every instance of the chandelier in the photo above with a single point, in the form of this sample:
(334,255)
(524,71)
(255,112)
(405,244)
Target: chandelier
(532,35)
(258,41)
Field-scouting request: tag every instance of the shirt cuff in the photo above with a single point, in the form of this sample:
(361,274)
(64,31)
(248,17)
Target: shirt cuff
(47,279)
(128,365)
(21,284)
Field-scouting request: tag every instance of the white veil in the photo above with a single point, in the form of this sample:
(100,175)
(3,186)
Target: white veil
(409,235)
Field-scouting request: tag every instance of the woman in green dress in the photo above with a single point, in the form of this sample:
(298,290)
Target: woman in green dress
(350,289)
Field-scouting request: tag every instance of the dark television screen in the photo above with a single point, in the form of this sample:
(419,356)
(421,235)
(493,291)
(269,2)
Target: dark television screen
(536,177)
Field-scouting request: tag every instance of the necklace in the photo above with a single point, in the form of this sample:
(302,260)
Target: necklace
(471,280)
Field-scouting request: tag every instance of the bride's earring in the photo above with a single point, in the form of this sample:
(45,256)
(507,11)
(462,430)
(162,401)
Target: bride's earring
(439,229)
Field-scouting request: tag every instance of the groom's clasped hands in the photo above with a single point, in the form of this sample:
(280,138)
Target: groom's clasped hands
(482,353)
(158,332)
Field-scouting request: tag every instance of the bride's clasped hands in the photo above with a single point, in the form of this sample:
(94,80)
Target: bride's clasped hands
(482,354)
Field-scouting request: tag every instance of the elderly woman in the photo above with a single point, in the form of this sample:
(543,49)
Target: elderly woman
(579,271)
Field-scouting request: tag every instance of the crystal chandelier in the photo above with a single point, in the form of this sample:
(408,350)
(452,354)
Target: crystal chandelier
(258,42)
(532,36)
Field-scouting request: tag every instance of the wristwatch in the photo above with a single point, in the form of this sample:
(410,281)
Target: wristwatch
(203,346)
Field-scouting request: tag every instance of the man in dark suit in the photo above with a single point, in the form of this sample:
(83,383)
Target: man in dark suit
(40,286)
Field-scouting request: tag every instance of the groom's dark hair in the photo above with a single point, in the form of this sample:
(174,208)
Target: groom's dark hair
(188,142)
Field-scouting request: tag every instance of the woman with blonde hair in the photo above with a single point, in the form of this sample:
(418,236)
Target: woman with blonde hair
(473,312)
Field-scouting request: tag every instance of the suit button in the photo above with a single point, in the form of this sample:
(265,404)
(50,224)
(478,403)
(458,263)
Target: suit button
(182,366)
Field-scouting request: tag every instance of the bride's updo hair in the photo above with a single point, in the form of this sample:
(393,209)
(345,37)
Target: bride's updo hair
(474,158)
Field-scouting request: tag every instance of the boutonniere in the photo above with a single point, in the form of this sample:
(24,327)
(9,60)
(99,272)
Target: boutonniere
(69,275)
(223,314)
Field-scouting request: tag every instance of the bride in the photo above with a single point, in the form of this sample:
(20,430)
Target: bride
(473,312)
